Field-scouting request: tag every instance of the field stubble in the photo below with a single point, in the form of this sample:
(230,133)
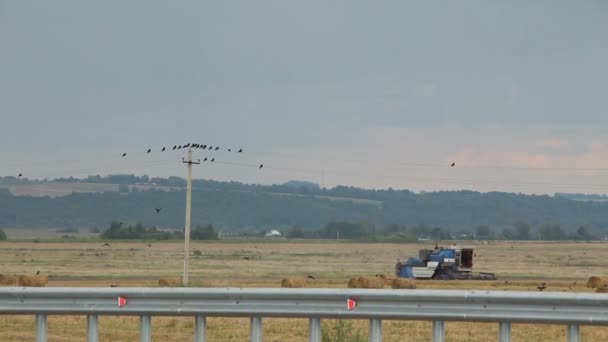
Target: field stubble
(519,267)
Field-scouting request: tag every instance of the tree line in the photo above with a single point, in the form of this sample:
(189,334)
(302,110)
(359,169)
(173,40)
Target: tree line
(249,207)
(119,231)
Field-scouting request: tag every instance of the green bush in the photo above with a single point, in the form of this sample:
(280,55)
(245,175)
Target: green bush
(341,331)
(2,235)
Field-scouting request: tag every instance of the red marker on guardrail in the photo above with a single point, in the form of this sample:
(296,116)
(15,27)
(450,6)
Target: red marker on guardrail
(122,301)
(350,304)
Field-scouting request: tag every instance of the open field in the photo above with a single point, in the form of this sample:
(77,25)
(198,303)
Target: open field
(59,189)
(520,266)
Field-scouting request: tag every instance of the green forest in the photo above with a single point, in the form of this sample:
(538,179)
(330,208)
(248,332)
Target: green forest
(303,208)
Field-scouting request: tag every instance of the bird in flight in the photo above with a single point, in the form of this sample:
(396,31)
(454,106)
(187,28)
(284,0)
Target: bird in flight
(217,148)
(261,166)
(105,245)
(158,209)
(453,164)
(149,150)
(212,159)
(240,150)
(205,159)
(124,154)
(21,174)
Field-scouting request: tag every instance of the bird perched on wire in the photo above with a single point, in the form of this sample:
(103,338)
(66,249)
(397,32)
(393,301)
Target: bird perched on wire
(149,150)
(124,154)
(174,147)
(21,174)
(205,159)
(158,209)
(240,150)
(217,148)
(453,164)
(212,159)
(261,166)
(163,150)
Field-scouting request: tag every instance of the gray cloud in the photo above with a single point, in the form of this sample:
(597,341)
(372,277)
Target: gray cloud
(316,81)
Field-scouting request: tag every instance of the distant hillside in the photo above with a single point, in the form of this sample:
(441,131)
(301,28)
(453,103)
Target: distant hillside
(237,206)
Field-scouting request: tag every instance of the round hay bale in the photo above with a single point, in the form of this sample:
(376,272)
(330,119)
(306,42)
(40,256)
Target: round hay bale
(595,282)
(353,283)
(603,289)
(386,278)
(33,280)
(170,282)
(403,283)
(370,283)
(292,282)
(7,279)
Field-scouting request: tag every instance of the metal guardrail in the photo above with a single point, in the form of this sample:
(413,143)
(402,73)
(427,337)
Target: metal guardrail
(438,306)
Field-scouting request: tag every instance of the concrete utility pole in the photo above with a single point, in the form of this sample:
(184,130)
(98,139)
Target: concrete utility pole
(188,211)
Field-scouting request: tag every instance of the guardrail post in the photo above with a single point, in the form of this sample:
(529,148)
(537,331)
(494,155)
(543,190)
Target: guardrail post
(92,329)
(574,333)
(438,331)
(42,326)
(200,328)
(504,331)
(145,328)
(375,330)
(256,329)
(314,330)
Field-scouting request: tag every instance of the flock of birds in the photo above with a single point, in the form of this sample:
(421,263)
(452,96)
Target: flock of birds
(201,147)
(196,146)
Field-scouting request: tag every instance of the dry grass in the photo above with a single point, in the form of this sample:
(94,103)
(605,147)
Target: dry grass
(564,267)
(170,282)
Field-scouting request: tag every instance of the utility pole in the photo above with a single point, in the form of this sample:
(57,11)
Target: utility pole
(188,211)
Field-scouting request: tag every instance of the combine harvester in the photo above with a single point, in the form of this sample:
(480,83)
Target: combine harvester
(443,264)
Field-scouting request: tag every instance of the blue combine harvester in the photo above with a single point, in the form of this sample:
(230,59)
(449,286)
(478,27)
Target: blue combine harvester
(441,263)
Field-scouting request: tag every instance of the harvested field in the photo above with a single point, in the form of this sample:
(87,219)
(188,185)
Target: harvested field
(564,267)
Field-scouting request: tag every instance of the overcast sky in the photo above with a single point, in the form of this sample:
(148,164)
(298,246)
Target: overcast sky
(375,94)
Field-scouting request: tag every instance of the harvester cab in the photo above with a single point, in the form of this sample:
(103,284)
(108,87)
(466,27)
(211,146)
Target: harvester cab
(441,263)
